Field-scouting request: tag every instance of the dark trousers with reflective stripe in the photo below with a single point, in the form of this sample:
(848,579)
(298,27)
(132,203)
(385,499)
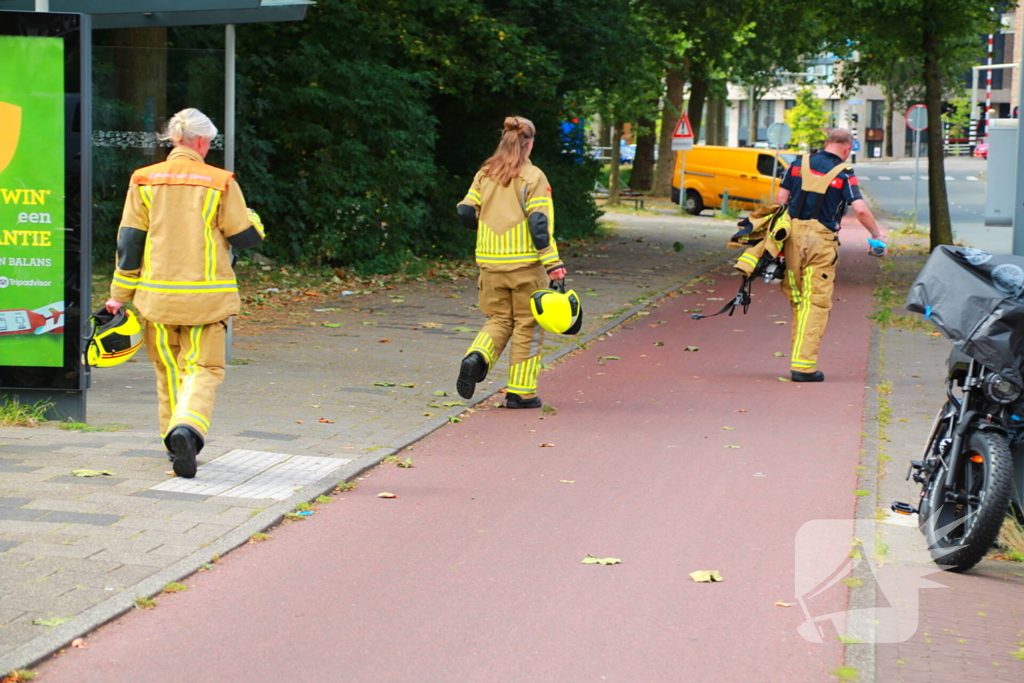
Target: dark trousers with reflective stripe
(189,364)
(505,300)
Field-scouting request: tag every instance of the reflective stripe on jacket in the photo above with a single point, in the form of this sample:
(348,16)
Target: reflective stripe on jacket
(187,210)
(504,241)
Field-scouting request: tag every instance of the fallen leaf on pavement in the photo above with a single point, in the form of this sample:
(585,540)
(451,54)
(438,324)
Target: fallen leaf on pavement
(298,422)
(383,341)
(385,494)
(330,422)
(566,481)
(730,446)
(706,576)
(332,324)
(778,354)
(461,329)
(935,334)
(547,445)
(440,392)
(728,429)
(692,348)
(659,343)
(383,384)
(169,472)
(590,559)
(408,385)
(780,322)
(79,642)
(783,379)
(609,358)
(784,604)
(92,473)
(55,621)
(431,325)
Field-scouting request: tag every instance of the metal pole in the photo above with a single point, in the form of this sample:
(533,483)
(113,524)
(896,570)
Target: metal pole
(1018,195)
(42,5)
(775,173)
(917,169)
(229,97)
(229,143)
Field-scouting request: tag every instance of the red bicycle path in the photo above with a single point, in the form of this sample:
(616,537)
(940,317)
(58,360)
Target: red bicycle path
(474,572)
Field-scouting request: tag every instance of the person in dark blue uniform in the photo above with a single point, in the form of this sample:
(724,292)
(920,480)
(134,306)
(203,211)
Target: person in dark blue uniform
(818,188)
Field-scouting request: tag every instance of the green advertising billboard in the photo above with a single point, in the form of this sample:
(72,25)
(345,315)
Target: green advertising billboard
(32,201)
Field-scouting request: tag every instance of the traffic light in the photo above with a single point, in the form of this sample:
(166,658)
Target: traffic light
(854,117)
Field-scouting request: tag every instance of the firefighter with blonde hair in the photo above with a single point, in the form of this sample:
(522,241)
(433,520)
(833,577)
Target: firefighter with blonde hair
(181,219)
(509,206)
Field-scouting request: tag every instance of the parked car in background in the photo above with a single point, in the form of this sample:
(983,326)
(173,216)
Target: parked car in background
(981,150)
(744,172)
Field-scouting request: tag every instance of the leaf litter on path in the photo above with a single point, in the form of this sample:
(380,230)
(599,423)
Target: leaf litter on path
(706,576)
(590,559)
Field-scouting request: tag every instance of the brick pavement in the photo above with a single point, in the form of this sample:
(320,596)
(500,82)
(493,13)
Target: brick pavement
(328,386)
(969,625)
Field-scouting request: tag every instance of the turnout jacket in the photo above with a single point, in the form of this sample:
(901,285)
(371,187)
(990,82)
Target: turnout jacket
(180,219)
(515,224)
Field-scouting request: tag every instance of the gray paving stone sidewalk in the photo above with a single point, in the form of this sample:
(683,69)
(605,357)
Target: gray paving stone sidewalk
(311,401)
(963,627)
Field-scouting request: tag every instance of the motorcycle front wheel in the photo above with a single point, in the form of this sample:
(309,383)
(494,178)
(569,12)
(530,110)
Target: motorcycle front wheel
(961,530)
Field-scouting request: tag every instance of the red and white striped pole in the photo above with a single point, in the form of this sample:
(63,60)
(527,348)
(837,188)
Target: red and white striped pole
(988,83)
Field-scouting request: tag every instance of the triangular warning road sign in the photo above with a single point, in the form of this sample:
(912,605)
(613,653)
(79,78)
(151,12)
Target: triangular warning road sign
(683,128)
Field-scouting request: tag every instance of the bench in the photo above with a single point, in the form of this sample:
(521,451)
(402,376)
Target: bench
(638,202)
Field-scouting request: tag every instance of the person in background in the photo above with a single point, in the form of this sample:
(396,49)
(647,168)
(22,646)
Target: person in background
(181,219)
(509,206)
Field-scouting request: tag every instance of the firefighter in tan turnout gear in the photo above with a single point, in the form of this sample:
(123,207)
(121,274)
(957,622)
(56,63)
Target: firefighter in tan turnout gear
(509,205)
(180,220)
(818,189)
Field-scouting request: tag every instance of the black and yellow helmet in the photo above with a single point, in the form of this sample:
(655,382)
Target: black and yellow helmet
(558,312)
(115,338)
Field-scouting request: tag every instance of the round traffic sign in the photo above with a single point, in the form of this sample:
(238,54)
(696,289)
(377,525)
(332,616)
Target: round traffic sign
(917,117)
(779,134)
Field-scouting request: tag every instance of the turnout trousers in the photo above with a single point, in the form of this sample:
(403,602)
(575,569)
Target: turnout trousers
(189,364)
(505,300)
(812,254)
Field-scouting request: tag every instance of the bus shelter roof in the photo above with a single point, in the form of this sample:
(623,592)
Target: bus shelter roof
(149,13)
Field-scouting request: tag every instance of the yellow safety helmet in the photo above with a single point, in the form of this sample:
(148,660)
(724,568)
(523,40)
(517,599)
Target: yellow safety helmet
(558,312)
(115,338)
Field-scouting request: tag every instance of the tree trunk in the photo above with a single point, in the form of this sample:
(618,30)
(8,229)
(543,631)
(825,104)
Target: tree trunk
(714,130)
(642,178)
(888,125)
(695,106)
(672,105)
(141,72)
(613,173)
(938,204)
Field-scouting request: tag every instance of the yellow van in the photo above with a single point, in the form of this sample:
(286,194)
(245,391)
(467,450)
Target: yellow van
(744,172)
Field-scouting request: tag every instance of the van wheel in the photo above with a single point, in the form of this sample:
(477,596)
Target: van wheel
(694,205)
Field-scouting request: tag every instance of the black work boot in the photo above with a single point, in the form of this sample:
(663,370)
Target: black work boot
(473,370)
(816,376)
(184,443)
(517,401)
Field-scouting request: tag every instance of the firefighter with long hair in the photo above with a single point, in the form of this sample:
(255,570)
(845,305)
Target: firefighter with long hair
(509,206)
(181,219)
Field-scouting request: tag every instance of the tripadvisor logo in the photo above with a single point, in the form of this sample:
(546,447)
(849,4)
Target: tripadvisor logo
(10,131)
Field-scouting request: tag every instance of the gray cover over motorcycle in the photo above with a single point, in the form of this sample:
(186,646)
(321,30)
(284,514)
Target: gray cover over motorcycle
(976,300)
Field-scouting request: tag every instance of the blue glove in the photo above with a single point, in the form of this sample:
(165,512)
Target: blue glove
(876,247)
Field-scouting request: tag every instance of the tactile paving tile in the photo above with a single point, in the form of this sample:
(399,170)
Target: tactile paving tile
(254,474)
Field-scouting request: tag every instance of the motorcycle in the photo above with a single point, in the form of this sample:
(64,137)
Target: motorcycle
(972,470)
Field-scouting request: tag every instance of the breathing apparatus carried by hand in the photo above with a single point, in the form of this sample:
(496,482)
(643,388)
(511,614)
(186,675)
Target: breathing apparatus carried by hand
(762,233)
